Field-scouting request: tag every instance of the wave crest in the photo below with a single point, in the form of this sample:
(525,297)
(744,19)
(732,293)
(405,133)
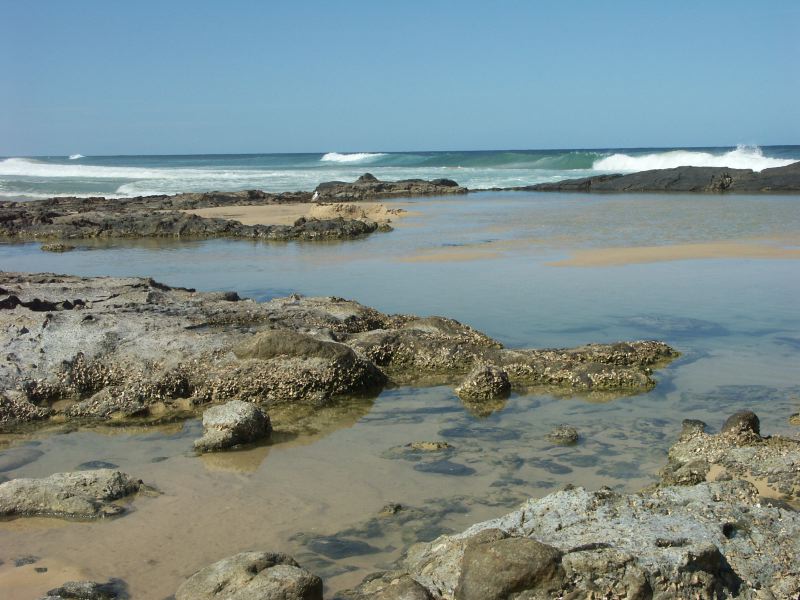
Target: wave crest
(355,157)
(743,157)
(76,156)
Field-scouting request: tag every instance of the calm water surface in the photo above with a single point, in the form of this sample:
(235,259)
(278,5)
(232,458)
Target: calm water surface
(484,259)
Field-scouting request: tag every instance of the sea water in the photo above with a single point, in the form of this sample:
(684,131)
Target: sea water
(127,176)
(495,261)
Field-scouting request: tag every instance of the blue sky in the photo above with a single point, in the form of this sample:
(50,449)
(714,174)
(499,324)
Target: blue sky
(206,77)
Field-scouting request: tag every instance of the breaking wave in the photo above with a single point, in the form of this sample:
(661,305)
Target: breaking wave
(355,157)
(743,157)
(76,156)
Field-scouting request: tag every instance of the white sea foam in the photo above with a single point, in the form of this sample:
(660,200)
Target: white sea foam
(76,156)
(744,157)
(356,157)
(26,167)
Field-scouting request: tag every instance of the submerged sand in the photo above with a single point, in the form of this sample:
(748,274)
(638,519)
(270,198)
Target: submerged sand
(287,214)
(751,249)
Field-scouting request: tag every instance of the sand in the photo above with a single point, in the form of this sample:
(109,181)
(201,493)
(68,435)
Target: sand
(287,214)
(602,257)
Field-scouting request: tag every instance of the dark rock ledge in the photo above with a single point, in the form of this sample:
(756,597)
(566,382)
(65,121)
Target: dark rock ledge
(124,349)
(683,179)
(70,218)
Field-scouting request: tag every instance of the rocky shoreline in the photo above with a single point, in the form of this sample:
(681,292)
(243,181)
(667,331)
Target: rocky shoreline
(690,536)
(132,350)
(61,219)
(683,179)
(70,218)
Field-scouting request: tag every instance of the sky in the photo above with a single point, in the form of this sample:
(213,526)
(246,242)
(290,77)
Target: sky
(247,77)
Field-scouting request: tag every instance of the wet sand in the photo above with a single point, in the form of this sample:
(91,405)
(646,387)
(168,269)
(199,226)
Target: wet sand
(287,214)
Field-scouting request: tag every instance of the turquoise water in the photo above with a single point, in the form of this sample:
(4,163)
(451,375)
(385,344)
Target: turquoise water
(486,259)
(125,176)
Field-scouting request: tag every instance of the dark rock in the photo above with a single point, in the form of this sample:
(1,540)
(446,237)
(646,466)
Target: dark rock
(56,247)
(444,467)
(744,421)
(28,559)
(232,424)
(89,590)
(369,187)
(684,179)
(337,547)
(95,464)
(252,576)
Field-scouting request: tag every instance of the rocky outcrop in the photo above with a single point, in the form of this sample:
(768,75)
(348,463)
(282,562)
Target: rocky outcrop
(252,576)
(485,382)
(739,451)
(369,187)
(563,435)
(79,495)
(713,540)
(683,179)
(70,218)
(134,349)
(32,221)
(232,424)
(88,590)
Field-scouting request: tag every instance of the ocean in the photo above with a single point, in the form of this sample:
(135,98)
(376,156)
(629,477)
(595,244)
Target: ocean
(128,176)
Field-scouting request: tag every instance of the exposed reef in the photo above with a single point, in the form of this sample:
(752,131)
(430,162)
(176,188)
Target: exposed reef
(683,179)
(123,349)
(71,218)
(369,187)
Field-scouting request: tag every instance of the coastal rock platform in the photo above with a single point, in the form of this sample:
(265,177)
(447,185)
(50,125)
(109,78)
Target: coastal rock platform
(132,349)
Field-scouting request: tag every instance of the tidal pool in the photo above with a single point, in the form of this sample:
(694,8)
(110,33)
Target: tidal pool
(491,260)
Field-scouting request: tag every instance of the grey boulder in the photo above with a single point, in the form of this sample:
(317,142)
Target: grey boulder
(252,576)
(231,424)
(79,495)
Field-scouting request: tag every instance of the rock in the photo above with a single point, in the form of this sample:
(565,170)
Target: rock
(232,424)
(79,495)
(563,435)
(495,569)
(744,421)
(689,427)
(794,419)
(96,464)
(338,547)
(444,467)
(387,586)
(706,541)
(161,216)
(252,576)
(437,446)
(683,179)
(135,350)
(88,590)
(737,451)
(484,382)
(369,187)
(57,247)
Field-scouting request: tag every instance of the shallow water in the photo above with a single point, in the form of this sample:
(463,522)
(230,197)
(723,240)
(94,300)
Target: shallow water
(486,260)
